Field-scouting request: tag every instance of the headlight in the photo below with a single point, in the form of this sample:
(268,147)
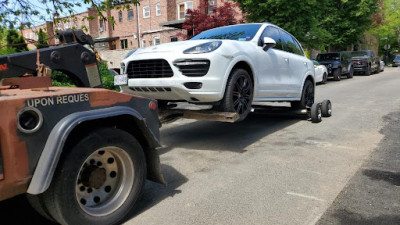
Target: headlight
(203,48)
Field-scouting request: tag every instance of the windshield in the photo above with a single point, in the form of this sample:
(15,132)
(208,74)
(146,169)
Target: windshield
(244,32)
(360,53)
(397,57)
(328,56)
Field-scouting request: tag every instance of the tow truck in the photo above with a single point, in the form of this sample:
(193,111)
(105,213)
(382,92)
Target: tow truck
(80,154)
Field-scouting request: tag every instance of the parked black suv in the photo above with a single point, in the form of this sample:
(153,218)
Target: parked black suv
(338,64)
(365,62)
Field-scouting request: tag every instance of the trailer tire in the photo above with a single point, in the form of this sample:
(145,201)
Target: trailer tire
(316,114)
(238,94)
(98,180)
(326,108)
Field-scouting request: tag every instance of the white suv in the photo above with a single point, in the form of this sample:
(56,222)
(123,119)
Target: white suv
(229,67)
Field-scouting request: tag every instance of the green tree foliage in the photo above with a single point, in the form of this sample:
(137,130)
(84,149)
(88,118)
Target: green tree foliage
(387,26)
(16,41)
(316,24)
(42,39)
(4,48)
(60,79)
(30,12)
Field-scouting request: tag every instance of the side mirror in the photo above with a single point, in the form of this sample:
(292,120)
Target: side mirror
(268,43)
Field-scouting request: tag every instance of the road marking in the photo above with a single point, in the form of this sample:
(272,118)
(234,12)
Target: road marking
(309,171)
(305,196)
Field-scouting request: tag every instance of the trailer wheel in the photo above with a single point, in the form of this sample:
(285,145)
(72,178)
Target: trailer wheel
(238,94)
(316,115)
(98,180)
(326,108)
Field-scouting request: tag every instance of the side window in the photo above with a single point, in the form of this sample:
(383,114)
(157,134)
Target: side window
(273,33)
(290,45)
(298,49)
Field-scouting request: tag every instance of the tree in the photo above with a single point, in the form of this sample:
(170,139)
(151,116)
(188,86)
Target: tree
(200,19)
(16,41)
(29,12)
(4,48)
(336,23)
(42,39)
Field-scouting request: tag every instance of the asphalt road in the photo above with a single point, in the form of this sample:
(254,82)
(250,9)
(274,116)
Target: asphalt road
(273,169)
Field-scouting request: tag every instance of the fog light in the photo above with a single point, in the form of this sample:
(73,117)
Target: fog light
(193,85)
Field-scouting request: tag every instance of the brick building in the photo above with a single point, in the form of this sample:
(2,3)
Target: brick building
(150,23)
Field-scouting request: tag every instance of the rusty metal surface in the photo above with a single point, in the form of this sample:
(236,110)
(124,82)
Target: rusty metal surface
(28,82)
(21,151)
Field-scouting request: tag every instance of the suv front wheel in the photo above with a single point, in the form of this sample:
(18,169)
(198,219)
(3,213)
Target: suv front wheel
(337,73)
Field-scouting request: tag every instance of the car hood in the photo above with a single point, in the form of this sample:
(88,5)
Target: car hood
(178,46)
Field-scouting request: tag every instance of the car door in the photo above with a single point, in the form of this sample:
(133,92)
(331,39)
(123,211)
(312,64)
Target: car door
(272,67)
(298,65)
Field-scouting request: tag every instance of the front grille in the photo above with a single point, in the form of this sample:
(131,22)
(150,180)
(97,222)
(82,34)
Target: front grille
(151,89)
(152,68)
(193,67)
(358,62)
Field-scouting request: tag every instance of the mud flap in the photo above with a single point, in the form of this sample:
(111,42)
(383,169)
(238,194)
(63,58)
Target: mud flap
(154,166)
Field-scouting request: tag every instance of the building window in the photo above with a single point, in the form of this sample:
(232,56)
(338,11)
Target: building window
(211,6)
(156,41)
(143,44)
(146,11)
(173,39)
(130,15)
(101,29)
(120,16)
(124,43)
(182,8)
(158,9)
(26,35)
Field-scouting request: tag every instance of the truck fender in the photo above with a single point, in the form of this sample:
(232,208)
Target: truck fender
(53,148)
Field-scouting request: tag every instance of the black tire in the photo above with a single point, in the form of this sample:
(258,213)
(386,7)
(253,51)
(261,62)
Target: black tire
(316,115)
(368,71)
(98,180)
(337,74)
(307,97)
(324,78)
(326,108)
(351,73)
(37,203)
(238,94)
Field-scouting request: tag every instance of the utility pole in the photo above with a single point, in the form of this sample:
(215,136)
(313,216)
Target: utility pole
(138,25)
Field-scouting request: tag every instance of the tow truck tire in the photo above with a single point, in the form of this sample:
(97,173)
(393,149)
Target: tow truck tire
(316,114)
(326,108)
(98,180)
(307,97)
(238,94)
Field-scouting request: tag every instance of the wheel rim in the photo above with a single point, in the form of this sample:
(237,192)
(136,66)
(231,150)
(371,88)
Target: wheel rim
(319,113)
(241,95)
(105,181)
(309,95)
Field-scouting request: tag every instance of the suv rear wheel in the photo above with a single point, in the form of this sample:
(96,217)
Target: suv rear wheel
(307,97)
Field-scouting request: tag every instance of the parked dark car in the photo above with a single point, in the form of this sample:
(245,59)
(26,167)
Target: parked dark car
(396,61)
(338,64)
(365,62)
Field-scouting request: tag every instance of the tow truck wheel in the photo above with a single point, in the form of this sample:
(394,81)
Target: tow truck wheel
(98,180)
(316,115)
(326,108)
(238,94)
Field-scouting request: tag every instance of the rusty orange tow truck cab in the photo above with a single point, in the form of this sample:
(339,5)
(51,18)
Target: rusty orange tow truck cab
(80,154)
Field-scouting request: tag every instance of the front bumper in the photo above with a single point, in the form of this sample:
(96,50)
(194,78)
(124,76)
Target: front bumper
(180,87)
(362,68)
